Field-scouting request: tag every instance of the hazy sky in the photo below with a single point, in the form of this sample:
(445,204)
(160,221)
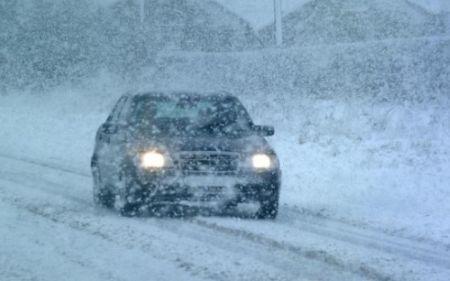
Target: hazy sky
(260,12)
(434,5)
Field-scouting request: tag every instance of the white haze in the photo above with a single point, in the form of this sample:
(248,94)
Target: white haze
(362,132)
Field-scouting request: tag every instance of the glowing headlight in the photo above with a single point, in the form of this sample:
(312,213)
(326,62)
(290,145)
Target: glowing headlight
(261,161)
(153,160)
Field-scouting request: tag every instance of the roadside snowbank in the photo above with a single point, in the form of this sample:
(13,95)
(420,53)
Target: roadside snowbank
(385,164)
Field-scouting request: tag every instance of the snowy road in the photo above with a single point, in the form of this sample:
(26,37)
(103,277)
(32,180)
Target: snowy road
(50,230)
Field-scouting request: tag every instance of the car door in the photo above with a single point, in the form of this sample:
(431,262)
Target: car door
(110,141)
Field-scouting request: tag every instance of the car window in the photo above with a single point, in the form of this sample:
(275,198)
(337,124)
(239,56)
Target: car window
(192,116)
(117,111)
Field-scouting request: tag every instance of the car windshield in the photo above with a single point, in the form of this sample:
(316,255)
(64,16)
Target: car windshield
(190,116)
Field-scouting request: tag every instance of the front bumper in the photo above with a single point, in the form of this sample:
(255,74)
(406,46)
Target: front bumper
(172,187)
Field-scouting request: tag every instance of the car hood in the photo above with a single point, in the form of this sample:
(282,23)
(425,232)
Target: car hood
(248,144)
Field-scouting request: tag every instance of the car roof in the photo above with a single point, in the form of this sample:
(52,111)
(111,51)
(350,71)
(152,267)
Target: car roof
(182,94)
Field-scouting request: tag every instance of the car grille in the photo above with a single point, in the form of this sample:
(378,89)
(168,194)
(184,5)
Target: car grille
(208,162)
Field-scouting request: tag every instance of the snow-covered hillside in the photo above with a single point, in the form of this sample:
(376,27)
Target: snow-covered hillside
(434,6)
(46,43)
(338,21)
(384,70)
(260,12)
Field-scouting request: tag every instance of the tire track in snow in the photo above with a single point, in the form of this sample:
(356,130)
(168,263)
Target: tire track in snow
(18,271)
(406,248)
(362,270)
(322,256)
(62,217)
(292,265)
(319,219)
(45,165)
(427,251)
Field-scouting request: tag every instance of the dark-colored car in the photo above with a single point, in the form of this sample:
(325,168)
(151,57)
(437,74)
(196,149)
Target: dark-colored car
(183,151)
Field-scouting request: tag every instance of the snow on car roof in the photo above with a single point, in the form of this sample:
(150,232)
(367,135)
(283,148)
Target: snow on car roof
(182,94)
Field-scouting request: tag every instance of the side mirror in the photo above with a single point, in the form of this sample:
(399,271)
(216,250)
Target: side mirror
(264,131)
(109,128)
(111,132)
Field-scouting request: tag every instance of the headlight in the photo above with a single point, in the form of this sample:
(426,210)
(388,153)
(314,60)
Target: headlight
(152,160)
(261,161)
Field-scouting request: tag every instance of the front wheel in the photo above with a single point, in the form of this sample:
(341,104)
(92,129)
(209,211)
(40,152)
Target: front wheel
(131,210)
(269,207)
(103,196)
(129,201)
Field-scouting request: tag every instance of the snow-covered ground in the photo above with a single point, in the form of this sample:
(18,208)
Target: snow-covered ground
(364,197)
(336,221)
(362,133)
(384,164)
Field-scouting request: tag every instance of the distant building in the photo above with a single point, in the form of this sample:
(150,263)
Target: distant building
(345,21)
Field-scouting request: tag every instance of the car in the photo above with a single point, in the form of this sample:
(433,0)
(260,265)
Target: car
(184,151)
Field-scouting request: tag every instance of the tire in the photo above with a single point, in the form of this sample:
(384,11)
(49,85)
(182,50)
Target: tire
(103,197)
(128,209)
(269,207)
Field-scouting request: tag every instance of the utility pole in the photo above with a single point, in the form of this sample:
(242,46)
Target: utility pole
(278,22)
(142,11)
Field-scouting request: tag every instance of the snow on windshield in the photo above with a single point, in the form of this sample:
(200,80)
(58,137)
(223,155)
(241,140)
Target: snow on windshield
(192,115)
